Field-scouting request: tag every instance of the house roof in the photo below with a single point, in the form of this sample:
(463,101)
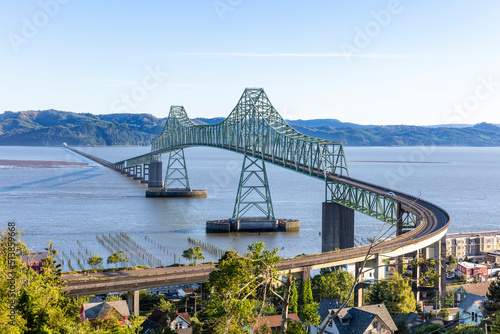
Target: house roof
(98,310)
(184,316)
(158,317)
(469,299)
(274,321)
(478,289)
(362,317)
(148,326)
(327,304)
(35,256)
(412,318)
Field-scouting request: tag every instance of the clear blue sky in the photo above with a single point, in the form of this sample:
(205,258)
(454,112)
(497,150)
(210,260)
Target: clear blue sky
(412,62)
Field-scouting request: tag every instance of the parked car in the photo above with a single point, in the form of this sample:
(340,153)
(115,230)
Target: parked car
(390,193)
(450,275)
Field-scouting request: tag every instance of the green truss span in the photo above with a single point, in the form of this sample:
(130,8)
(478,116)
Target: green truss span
(254,128)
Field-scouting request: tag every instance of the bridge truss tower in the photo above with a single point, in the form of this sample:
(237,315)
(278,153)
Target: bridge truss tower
(176,175)
(253,190)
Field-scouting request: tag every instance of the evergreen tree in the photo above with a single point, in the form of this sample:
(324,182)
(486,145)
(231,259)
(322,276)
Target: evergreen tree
(308,309)
(294,298)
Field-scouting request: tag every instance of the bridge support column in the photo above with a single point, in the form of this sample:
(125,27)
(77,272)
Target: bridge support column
(133,302)
(440,267)
(416,276)
(337,227)
(305,274)
(358,289)
(155,174)
(399,231)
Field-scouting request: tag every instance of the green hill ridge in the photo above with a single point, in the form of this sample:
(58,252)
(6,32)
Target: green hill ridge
(53,127)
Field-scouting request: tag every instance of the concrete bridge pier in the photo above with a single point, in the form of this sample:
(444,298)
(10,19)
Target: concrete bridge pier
(399,231)
(133,302)
(416,277)
(155,177)
(337,227)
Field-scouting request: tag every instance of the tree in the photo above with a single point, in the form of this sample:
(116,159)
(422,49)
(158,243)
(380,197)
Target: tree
(193,254)
(433,328)
(332,285)
(38,299)
(402,326)
(493,295)
(294,298)
(117,257)
(467,329)
(94,261)
(308,309)
(238,282)
(395,293)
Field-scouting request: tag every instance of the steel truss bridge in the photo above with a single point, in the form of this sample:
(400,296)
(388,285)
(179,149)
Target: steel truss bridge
(256,130)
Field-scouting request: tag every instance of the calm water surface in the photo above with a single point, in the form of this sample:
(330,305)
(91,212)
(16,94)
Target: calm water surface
(69,204)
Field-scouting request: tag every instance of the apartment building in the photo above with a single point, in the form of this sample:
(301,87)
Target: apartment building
(481,246)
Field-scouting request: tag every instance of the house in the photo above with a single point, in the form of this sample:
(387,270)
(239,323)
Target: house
(97,309)
(159,320)
(469,270)
(273,322)
(35,260)
(471,309)
(369,319)
(478,289)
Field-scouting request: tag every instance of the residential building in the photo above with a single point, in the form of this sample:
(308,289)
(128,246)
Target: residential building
(273,322)
(35,260)
(369,319)
(158,319)
(470,270)
(471,310)
(461,291)
(483,246)
(97,309)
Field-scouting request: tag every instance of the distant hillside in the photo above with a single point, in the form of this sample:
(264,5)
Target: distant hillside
(52,127)
(334,123)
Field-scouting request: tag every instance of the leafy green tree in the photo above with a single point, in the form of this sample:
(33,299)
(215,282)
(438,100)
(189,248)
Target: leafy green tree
(38,299)
(94,261)
(433,328)
(495,324)
(193,254)
(467,329)
(294,298)
(117,257)
(332,285)
(395,293)
(238,282)
(294,327)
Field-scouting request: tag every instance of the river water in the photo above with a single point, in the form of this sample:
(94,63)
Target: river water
(71,204)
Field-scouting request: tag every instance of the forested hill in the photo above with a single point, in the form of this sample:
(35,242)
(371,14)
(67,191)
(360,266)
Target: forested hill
(52,127)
